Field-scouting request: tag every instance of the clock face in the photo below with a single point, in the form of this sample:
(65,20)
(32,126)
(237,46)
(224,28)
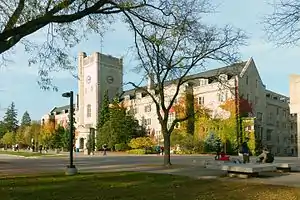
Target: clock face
(109,79)
(88,79)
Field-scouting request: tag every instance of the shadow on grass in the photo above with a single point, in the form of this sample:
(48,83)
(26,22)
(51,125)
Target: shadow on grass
(136,185)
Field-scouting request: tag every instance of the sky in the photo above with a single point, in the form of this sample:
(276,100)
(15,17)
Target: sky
(18,82)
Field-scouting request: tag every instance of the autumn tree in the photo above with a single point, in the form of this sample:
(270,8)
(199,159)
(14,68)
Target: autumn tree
(169,55)
(61,21)
(33,132)
(47,133)
(232,132)
(8,139)
(283,24)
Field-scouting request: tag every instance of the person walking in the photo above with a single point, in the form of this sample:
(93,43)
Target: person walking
(245,151)
(104,149)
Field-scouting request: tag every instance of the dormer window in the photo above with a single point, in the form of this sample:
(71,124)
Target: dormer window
(203,82)
(139,95)
(223,77)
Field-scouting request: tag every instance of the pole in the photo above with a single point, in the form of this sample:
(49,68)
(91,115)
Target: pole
(71,128)
(237,112)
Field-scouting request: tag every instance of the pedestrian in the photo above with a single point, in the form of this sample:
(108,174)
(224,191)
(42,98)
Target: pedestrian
(104,149)
(245,151)
(162,149)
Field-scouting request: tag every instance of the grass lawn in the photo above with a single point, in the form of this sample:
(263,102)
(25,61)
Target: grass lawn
(26,154)
(134,186)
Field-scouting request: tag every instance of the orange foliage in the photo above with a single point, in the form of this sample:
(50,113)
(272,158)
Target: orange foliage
(245,107)
(47,131)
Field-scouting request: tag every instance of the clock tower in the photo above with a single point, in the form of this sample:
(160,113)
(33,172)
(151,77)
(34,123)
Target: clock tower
(97,73)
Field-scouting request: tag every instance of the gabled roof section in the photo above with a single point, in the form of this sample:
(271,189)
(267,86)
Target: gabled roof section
(247,65)
(234,69)
(60,109)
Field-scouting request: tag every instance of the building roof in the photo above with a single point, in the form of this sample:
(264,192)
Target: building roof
(60,109)
(234,69)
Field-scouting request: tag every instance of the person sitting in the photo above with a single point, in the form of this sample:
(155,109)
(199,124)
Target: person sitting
(265,156)
(224,157)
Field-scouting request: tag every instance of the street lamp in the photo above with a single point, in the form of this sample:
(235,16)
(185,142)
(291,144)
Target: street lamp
(71,169)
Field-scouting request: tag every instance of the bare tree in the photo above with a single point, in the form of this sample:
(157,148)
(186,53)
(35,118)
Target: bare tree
(283,24)
(169,55)
(65,23)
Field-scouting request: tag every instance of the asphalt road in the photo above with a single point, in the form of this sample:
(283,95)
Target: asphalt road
(13,164)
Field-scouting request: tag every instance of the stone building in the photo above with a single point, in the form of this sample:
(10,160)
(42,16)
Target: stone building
(270,110)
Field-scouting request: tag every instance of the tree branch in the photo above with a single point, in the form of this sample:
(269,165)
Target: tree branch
(15,16)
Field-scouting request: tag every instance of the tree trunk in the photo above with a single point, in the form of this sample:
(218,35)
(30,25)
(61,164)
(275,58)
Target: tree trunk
(167,158)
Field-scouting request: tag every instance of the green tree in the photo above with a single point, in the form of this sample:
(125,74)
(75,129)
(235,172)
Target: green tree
(3,129)
(8,138)
(26,120)
(58,138)
(104,111)
(212,142)
(10,118)
(168,55)
(120,128)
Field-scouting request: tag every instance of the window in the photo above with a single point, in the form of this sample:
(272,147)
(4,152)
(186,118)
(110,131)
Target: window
(200,100)
(222,96)
(247,80)
(259,116)
(270,116)
(256,100)
(88,110)
(202,82)
(284,113)
(171,118)
(269,135)
(223,77)
(147,122)
(148,108)
(278,150)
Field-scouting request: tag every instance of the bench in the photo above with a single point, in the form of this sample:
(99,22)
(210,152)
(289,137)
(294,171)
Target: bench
(246,170)
(285,167)
(214,164)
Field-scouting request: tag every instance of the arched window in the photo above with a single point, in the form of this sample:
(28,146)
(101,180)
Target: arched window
(88,110)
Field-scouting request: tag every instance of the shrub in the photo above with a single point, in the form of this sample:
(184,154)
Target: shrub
(137,151)
(121,147)
(141,143)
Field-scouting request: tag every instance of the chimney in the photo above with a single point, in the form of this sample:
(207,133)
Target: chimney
(150,84)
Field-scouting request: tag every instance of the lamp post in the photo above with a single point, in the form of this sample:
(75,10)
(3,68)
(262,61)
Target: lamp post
(71,169)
